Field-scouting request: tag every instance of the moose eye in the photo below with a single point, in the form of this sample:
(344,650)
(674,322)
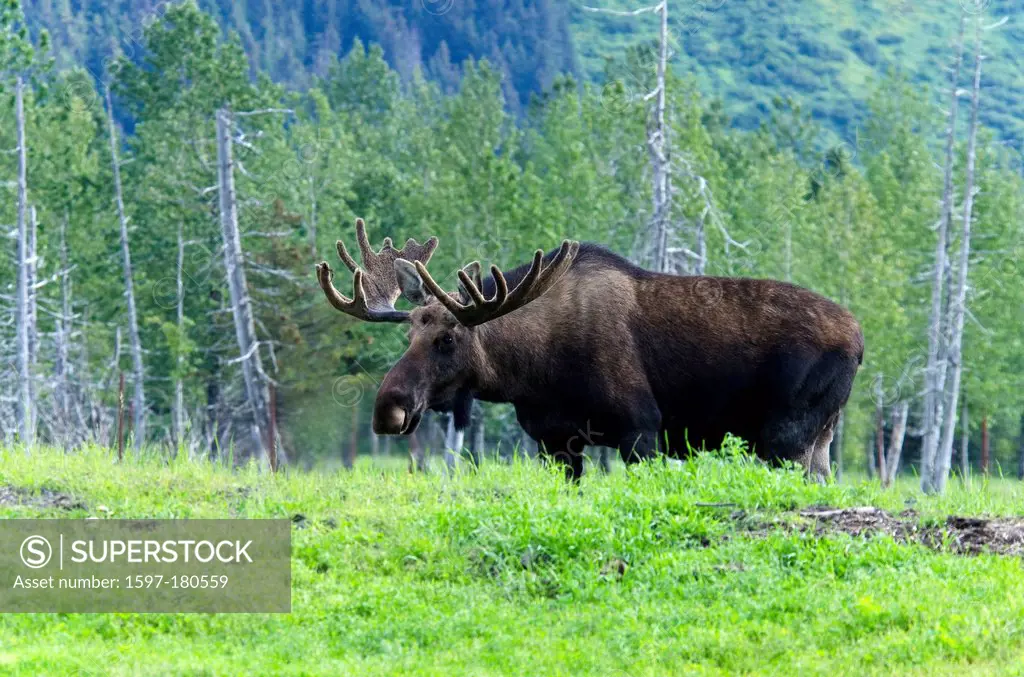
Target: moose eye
(447,339)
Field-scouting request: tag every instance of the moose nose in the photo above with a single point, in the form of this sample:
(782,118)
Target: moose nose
(389,420)
(392,411)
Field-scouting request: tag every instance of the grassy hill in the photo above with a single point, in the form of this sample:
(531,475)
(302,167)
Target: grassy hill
(821,52)
(716,568)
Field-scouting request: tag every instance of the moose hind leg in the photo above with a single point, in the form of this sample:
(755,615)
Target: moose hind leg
(819,462)
(802,429)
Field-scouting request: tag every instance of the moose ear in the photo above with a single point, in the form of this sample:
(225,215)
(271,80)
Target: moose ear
(473,271)
(410,283)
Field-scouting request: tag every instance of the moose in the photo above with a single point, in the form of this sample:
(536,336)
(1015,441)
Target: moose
(582,339)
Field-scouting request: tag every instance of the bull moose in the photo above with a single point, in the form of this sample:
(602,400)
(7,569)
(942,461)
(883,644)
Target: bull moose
(582,339)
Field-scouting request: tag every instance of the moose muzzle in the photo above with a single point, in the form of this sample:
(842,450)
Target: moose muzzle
(395,412)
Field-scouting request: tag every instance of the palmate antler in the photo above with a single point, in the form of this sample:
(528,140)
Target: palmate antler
(538,280)
(375,288)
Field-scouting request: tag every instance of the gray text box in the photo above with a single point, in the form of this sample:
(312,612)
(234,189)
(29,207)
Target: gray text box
(86,566)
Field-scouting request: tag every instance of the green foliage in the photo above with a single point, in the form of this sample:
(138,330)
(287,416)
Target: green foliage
(418,157)
(528,42)
(509,569)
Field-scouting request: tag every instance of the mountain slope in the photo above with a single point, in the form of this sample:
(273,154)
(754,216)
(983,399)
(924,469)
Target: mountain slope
(824,53)
(529,40)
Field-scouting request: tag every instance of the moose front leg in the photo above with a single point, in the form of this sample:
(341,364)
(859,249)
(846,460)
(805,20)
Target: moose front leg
(567,451)
(639,445)
(640,440)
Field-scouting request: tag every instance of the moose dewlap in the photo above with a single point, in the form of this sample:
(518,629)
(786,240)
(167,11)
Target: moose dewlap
(581,339)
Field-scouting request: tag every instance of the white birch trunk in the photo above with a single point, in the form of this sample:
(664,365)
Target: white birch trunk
(935,368)
(241,305)
(958,301)
(25,430)
(138,372)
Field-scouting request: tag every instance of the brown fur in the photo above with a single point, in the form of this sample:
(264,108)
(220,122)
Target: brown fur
(643,361)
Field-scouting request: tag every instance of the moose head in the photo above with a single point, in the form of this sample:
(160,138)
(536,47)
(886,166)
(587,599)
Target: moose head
(446,360)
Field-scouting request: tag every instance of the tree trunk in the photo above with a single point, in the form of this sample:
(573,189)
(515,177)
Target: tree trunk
(452,443)
(61,365)
(984,446)
(241,305)
(957,306)
(352,448)
(139,403)
(478,439)
(935,368)
(658,149)
(837,446)
(312,219)
(25,405)
(1020,450)
(883,476)
(870,448)
(212,405)
(33,316)
(178,408)
(896,438)
(120,418)
(965,440)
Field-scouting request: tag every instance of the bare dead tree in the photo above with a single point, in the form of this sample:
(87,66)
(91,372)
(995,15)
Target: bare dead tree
(958,300)
(241,304)
(965,438)
(139,402)
(658,146)
(935,368)
(178,408)
(659,149)
(61,366)
(883,476)
(25,405)
(32,269)
(896,437)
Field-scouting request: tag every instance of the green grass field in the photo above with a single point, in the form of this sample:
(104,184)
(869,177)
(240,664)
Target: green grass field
(509,570)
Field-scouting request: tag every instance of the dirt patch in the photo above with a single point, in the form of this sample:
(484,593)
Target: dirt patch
(43,499)
(959,535)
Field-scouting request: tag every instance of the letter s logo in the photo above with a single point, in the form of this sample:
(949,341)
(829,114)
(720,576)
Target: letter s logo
(36,552)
